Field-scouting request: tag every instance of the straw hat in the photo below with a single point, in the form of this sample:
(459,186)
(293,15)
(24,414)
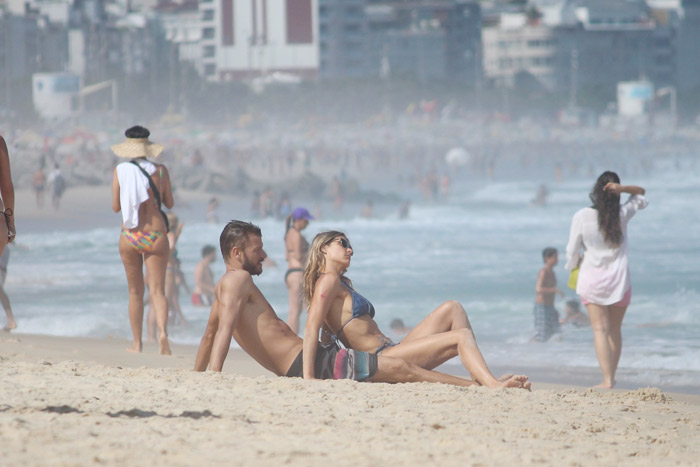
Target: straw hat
(137,144)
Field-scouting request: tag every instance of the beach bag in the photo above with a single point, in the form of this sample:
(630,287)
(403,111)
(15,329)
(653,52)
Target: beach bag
(156,193)
(573,278)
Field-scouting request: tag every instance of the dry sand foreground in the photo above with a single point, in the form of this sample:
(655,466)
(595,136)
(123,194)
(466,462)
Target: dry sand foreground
(64,401)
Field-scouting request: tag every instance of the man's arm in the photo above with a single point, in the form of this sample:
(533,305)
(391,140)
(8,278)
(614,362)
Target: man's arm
(326,291)
(234,292)
(204,352)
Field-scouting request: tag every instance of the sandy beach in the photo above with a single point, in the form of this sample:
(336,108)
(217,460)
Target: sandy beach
(77,401)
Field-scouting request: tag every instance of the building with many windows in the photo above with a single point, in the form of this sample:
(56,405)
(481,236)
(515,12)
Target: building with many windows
(513,46)
(567,48)
(425,40)
(183,27)
(242,40)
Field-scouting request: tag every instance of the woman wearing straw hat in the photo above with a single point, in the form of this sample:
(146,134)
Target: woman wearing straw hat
(139,188)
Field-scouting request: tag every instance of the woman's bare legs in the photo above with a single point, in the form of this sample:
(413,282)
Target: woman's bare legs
(133,266)
(617,314)
(5,300)
(444,334)
(150,321)
(606,322)
(11,324)
(395,370)
(294,280)
(156,262)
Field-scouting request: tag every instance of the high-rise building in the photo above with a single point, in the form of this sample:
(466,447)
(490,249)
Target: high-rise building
(425,40)
(245,39)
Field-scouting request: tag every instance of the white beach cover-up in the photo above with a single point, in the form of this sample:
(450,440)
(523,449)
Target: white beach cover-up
(604,275)
(133,190)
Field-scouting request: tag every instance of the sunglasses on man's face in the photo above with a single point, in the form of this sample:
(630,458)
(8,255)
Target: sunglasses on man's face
(346,244)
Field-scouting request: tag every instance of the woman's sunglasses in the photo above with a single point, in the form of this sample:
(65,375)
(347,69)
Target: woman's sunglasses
(346,244)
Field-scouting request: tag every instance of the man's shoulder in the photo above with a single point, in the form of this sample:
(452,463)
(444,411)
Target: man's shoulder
(237,279)
(235,283)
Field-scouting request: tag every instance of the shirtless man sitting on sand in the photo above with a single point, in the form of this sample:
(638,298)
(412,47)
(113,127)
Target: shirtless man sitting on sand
(242,312)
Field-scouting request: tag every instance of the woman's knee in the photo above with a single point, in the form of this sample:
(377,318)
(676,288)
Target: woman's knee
(465,336)
(456,311)
(600,327)
(452,308)
(137,289)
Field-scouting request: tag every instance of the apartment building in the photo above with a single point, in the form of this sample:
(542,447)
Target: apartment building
(245,39)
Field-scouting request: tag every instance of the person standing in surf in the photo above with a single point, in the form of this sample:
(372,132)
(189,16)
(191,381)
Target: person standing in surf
(604,278)
(139,189)
(296,249)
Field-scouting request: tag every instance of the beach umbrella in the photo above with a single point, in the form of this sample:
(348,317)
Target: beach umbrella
(457,156)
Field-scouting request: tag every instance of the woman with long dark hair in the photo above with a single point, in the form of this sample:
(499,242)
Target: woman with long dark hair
(604,278)
(139,188)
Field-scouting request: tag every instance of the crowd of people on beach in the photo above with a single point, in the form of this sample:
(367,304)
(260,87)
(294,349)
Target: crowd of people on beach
(340,338)
(351,344)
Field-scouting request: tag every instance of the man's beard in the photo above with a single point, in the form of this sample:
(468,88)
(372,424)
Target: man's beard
(254,269)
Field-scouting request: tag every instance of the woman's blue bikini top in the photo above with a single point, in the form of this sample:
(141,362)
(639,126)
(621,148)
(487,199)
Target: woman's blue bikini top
(360,307)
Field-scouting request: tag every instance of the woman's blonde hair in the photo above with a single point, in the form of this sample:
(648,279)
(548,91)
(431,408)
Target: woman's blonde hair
(316,262)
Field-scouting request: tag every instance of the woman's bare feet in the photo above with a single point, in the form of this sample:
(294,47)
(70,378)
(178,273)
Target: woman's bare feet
(517,381)
(136,348)
(10,326)
(164,345)
(605,385)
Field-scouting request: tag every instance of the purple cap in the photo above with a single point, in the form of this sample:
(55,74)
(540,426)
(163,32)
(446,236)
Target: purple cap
(301,213)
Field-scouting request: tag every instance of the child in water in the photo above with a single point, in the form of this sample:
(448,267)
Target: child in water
(574,315)
(546,316)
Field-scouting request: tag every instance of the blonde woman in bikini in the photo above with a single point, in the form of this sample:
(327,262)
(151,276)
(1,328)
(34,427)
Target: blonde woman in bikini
(347,318)
(139,189)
